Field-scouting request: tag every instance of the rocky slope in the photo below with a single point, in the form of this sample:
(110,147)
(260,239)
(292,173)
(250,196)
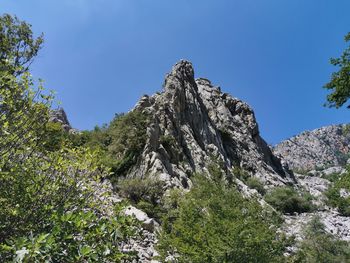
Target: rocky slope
(317,149)
(192,124)
(315,155)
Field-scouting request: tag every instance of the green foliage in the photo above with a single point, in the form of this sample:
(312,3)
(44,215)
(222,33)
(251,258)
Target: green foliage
(54,136)
(18,47)
(340,80)
(120,143)
(215,171)
(321,247)
(346,129)
(256,184)
(167,141)
(333,177)
(75,236)
(170,145)
(128,135)
(335,199)
(214,223)
(51,208)
(48,200)
(146,194)
(287,200)
(241,174)
(98,138)
(128,132)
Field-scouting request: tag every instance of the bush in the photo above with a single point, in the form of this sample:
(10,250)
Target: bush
(128,135)
(54,136)
(75,236)
(50,210)
(333,177)
(287,200)
(241,174)
(120,143)
(214,223)
(256,184)
(321,247)
(335,199)
(145,194)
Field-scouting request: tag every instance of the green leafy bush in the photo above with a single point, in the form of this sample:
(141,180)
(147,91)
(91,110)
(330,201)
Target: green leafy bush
(333,177)
(145,193)
(287,200)
(119,144)
(51,208)
(335,198)
(241,174)
(214,223)
(256,184)
(49,205)
(75,236)
(321,247)
(54,136)
(167,141)
(128,135)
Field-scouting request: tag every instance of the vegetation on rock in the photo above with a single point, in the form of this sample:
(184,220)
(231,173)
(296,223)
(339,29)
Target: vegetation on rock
(320,246)
(51,209)
(145,193)
(339,194)
(214,223)
(287,200)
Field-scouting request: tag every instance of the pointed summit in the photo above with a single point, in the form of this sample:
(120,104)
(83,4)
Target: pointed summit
(180,77)
(193,123)
(183,70)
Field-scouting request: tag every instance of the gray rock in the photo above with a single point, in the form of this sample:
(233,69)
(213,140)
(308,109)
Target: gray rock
(147,223)
(202,123)
(337,225)
(60,116)
(317,149)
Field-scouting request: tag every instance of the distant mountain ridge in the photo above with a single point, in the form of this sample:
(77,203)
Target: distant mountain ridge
(317,149)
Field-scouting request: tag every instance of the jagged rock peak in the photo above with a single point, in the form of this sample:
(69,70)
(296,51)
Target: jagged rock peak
(180,78)
(320,148)
(192,121)
(183,70)
(60,116)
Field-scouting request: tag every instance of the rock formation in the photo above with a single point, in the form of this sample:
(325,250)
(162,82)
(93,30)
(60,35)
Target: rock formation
(317,149)
(314,155)
(60,116)
(193,123)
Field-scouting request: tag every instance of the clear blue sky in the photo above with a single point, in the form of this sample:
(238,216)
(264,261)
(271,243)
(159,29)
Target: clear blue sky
(101,56)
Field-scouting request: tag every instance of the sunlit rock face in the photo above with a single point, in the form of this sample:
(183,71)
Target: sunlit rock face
(318,149)
(192,124)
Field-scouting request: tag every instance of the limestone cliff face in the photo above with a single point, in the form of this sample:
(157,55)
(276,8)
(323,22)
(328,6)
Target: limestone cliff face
(324,147)
(192,123)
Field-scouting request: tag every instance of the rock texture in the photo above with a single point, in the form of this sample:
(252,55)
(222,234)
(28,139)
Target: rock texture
(60,116)
(145,240)
(316,155)
(337,225)
(317,149)
(193,123)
